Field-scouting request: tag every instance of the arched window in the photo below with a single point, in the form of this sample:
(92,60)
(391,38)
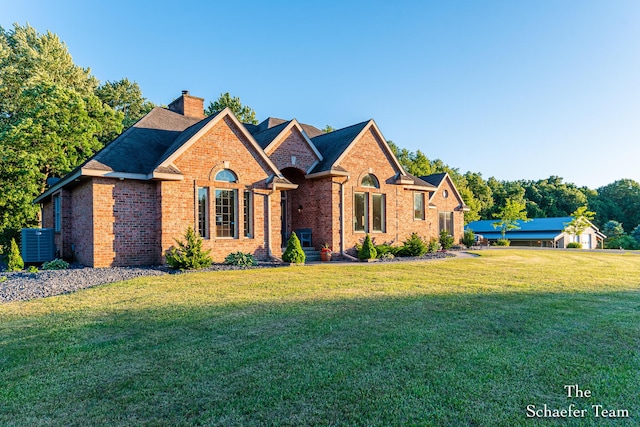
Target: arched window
(226,175)
(370,181)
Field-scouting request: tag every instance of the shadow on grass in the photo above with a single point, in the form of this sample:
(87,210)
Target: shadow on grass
(426,360)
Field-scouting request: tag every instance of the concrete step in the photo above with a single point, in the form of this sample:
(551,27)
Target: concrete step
(311,254)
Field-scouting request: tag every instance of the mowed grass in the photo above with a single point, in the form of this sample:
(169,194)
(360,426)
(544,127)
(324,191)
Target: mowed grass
(454,342)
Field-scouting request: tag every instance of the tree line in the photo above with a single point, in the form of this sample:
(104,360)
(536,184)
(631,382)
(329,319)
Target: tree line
(615,207)
(55,114)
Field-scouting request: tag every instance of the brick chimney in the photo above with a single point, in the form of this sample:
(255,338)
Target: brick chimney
(189,106)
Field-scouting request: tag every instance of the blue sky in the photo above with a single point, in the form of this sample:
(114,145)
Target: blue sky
(511,89)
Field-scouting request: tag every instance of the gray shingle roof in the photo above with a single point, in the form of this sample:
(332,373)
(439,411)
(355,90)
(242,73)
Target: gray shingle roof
(421,182)
(137,149)
(265,137)
(182,138)
(434,179)
(331,145)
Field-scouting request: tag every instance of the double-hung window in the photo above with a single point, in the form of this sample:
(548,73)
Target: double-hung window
(446,222)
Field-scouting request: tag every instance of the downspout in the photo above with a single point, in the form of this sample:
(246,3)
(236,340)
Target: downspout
(268,200)
(342,215)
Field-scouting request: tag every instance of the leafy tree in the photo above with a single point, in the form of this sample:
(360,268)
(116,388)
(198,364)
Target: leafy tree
(613,229)
(509,215)
(580,221)
(126,97)
(50,120)
(616,236)
(636,234)
(328,129)
(243,113)
(619,201)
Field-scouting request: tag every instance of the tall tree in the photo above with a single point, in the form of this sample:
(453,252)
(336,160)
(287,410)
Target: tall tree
(619,201)
(50,120)
(242,112)
(580,221)
(508,216)
(126,97)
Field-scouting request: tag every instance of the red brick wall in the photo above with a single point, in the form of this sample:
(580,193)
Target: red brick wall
(125,223)
(199,164)
(82,236)
(74,242)
(450,204)
(293,144)
(369,156)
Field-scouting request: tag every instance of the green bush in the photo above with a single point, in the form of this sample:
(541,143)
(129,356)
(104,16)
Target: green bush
(32,269)
(469,238)
(189,254)
(413,246)
(294,253)
(503,242)
(56,264)
(367,251)
(574,245)
(241,259)
(14,261)
(385,249)
(3,279)
(446,240)
(433,246)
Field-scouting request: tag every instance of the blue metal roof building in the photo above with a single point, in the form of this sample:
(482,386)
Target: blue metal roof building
(540,232)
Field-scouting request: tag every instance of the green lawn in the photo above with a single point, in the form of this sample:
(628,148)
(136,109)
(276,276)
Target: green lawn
(452,342)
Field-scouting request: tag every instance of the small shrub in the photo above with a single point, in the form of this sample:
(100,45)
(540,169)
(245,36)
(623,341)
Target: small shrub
(189,254)
(367,251)
(387,255)
(294,253)
(3,279)
(56,264)
(446,240)
(503,242)
(32,269)
(574,245)
(241,259)
(14,261)
(385,249)
(469,238)
(433,246)
(414,246)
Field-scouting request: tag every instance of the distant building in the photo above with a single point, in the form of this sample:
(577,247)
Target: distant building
(540,232)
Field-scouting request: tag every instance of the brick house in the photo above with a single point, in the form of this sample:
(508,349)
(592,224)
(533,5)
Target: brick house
(243,187)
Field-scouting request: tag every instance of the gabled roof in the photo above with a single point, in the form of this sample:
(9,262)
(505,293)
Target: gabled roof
(417,182)
(265,137)
(147,149)
(191,135)
(436,179)
(334,146)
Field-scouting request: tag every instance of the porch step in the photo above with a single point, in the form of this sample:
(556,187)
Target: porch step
(311,254)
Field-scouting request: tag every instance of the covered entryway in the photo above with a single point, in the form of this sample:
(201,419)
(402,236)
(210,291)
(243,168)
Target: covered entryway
(297,211)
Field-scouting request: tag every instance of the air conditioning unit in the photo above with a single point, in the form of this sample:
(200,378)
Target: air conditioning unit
(38,244)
